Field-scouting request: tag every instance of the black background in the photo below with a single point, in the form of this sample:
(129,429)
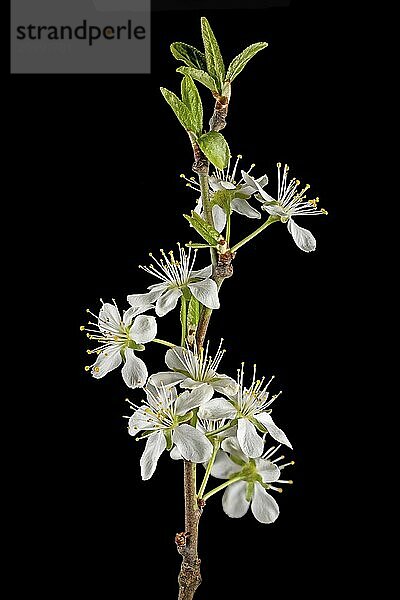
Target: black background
(102,157)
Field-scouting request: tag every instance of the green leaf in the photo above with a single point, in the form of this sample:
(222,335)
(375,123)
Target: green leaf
(189,55)
(180,109)
(203,228)
(214,60)
(215,147)
(201,76)
(193,314)
(241,60)
(191,99)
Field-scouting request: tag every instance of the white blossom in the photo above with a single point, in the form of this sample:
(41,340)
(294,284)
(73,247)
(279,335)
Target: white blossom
(118,338)
(258,475)
(226,180)
(192,369)
(176,277)
(289,203)
(162,418)
(250,407)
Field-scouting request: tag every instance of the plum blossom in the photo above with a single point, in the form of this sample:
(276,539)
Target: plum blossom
(118,338)
(162,419)
(176,277)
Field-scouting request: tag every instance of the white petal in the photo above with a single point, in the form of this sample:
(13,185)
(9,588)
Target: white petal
(133,311)
(262,181)
(143,330)
(231,445)
(274,431)
(303,238)
(134,371)
(219,218)
(155,446)
(275,210)
(107,361)
(205,292)
(190,400)
(178,358)
(138,300)
(225,385)
(268,470)
(243,208)
(227,185)
(224,467)
(202,273)
(214,183)
(175,454)
(199,206)
(191,384)
(254,182)
(109,315)
(217,408)
(139,421)
(192,444)
(168,301)
(234,500)
(263,506)
(249,440)
(165,378)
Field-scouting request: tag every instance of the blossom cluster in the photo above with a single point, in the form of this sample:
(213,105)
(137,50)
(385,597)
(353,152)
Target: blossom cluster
(192,410)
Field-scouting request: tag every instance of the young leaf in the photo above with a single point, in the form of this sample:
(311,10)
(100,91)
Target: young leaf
(180,109)
(214,60)
(206,231)
(201,76)
(191,99)
(216,149)
(193,314)
(239,63)
(189,55)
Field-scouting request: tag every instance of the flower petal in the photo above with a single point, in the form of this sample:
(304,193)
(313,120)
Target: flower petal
(254,182)
(234,500)
(107,361)
(303,238)
(274,431)
(243,208)
(205,292)
(217,408)
(189,400)
(191,384)
(224,385)
(178,359)
(138,300)
(214,183)
(144,329)
(168,301)
(165,378)
(155,446)
(109,316)
(134,371)
(231,445)
(175,454)
(249,440)
(219,218)
(224,467)
(202,273)
(268,470)
(133,311)
(263,506)
(192,444)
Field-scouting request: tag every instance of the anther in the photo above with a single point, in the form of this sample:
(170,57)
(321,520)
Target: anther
(87,368)
(82,328)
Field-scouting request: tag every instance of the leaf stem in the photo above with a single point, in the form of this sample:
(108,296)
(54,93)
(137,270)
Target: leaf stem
(222,486)
(228,229)
(224,428)
(272,219)
(209,467)
(183,319)
(164,343)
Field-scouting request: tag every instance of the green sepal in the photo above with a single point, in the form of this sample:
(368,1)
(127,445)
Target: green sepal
(182,113)
(240,61)
(168,438)
(258,425)
(184,418)
(203,228)
(237,461)
(200,76)
(214,60)
(216,149)
(192,101)
(191,56)
(134,346)
(249,490)
(224,199)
